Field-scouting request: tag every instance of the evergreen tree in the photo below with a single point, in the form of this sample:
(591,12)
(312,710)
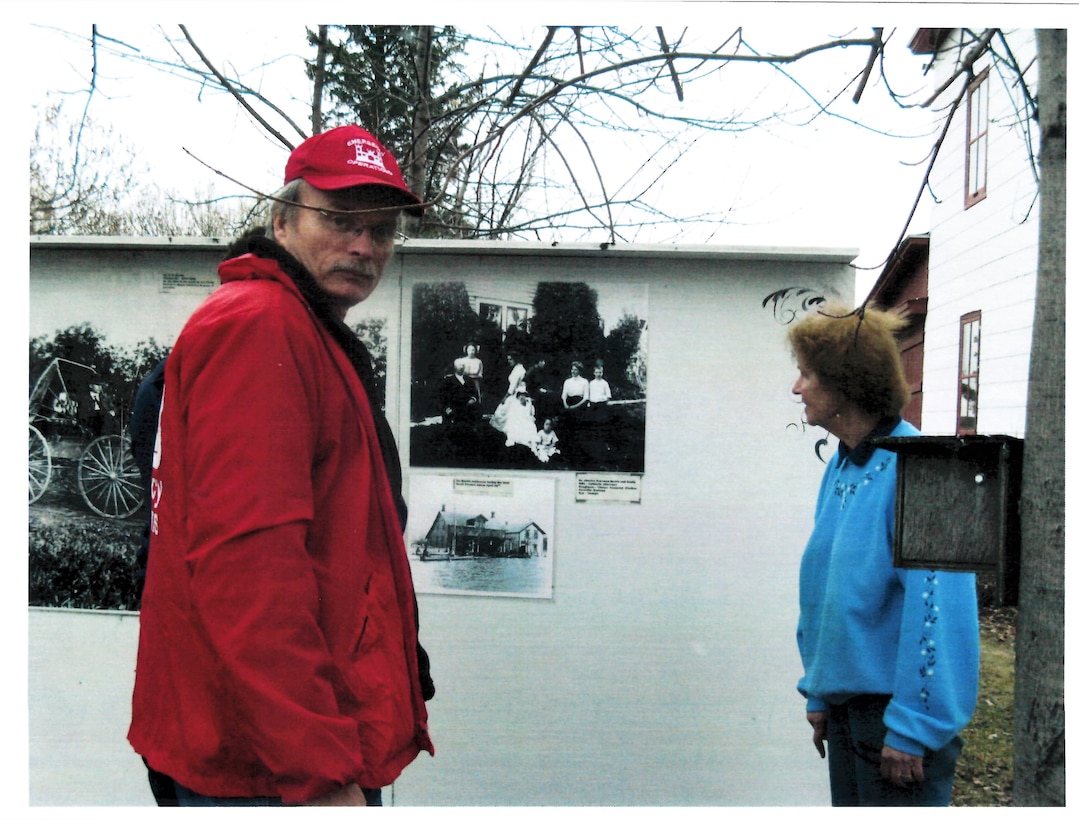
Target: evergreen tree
(623,365)
(566,324)
(442,323)
(395,82)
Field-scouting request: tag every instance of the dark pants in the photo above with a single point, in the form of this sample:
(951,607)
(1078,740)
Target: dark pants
(162,786)
(186,797)
(855,738)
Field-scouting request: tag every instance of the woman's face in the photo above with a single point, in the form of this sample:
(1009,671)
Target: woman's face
(470,351)
(822,403)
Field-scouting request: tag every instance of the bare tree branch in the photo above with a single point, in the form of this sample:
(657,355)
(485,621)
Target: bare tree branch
(481,150)
(878,34)
(968,77)
(966,65)
(236,94)
(524,75)
(609,223)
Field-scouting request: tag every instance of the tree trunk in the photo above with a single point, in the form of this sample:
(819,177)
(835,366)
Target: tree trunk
(319,79)
(421,119)
(1039,640)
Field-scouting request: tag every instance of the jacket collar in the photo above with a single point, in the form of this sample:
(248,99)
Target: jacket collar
(861,454)
(257,244)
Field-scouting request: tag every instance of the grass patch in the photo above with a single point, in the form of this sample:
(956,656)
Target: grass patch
(83,564)
(983,775)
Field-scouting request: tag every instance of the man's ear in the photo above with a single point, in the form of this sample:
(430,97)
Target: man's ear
(279,225)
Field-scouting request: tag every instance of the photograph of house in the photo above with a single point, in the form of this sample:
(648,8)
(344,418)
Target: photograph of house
(484,535)
(459,535)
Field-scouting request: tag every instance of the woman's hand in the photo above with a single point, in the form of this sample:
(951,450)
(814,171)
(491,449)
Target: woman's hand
(900,768)
(819,722)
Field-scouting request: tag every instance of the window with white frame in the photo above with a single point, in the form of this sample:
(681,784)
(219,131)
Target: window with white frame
(977,166)
(491,313)
(970,340)
(505,315)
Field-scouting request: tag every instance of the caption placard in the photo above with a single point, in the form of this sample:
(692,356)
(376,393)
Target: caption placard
(609,487)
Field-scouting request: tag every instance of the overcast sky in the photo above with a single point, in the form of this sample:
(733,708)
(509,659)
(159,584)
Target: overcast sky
(829,185)
(785,185)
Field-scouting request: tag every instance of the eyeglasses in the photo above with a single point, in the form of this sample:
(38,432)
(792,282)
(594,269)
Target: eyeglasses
(381,233)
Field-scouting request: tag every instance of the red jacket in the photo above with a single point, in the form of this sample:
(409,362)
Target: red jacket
(277,652)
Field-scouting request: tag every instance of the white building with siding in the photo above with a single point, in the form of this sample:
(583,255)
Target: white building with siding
(984,247)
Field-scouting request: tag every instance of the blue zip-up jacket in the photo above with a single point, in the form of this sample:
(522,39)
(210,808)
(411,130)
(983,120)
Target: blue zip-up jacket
(867,627)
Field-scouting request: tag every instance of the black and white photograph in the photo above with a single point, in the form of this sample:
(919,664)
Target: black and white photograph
(492,536)
(518,375)
(90,439)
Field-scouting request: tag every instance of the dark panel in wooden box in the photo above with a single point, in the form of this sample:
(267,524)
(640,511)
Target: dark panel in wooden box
(957,505)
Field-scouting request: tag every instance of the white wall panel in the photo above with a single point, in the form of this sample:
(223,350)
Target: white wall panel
(663,670)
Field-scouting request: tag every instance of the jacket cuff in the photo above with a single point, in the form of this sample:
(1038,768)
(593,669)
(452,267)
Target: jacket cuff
(904,744)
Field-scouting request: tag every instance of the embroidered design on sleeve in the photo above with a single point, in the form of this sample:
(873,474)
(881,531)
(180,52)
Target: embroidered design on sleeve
(927,643)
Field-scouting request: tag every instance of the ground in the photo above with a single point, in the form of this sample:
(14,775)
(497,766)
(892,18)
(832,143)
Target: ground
(983,775)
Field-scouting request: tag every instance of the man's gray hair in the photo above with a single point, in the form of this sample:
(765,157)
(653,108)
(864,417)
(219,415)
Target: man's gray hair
(284,204)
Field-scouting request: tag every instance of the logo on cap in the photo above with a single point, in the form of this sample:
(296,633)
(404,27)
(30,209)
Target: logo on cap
(368,155)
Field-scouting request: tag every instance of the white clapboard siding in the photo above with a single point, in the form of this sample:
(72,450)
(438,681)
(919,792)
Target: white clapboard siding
(984,259)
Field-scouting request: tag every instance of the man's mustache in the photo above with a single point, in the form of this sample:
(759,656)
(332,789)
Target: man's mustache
(354,270)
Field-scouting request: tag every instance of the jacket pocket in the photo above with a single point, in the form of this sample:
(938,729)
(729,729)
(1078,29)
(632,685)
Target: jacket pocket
(356,648)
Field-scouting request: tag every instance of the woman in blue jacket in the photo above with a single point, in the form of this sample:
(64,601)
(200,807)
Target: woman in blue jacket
(890,655)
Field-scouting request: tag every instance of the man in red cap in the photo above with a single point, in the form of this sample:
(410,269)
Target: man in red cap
(278,656)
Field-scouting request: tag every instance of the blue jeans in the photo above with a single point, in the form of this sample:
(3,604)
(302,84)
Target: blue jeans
(186,797)
(855,738)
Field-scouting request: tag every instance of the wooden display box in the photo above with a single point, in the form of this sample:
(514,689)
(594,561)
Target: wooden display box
(957,506)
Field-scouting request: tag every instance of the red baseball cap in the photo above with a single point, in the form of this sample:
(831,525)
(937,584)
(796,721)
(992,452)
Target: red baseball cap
(346,157)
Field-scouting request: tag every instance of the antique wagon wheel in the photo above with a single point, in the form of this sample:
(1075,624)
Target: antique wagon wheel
(40,464)
(109,478)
